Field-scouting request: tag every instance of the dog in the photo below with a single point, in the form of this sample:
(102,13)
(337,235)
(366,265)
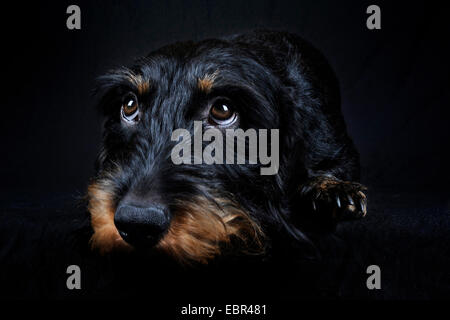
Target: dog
(139,199)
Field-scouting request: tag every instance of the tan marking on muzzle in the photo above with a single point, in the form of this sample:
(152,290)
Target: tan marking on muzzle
(200,230)
(101,206)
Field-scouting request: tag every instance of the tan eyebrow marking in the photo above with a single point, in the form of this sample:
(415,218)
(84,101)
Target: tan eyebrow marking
(142,85)
(205,84)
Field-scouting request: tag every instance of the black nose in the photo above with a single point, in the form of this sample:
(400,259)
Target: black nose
(141,226)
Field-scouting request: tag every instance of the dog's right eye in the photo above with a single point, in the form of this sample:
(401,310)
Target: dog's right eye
(222,113)
(130,109)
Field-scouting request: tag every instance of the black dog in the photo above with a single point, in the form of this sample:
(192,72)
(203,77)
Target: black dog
(195,212)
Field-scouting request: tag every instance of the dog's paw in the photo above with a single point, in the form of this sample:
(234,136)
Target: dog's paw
(340,200)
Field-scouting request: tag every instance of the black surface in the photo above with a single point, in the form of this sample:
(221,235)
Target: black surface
(405,234)
(395,99)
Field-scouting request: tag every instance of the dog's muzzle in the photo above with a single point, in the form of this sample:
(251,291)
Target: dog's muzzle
(141,226)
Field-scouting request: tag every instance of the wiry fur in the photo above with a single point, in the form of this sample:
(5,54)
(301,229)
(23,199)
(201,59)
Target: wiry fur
(275,80)
(202,227)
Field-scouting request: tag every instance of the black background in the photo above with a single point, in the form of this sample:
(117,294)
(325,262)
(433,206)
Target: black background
(394,81)
(395,98)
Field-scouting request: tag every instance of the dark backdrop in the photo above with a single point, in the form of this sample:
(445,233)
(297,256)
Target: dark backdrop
(394,81)
(395,99)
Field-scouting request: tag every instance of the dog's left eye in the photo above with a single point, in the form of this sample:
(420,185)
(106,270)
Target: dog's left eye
(130,109)
(222,113)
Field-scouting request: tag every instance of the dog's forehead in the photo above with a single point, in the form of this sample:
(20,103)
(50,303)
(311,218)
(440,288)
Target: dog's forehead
(200,69)
(166,73)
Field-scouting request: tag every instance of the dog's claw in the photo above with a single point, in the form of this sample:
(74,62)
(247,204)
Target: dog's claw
(306,189)
(350,200)
(363,206)
(341,200)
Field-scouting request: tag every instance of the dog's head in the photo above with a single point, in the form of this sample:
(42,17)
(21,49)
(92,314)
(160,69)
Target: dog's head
(156,189)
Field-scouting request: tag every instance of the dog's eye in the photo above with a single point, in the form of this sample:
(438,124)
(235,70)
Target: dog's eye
(222,113)
(130,109)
